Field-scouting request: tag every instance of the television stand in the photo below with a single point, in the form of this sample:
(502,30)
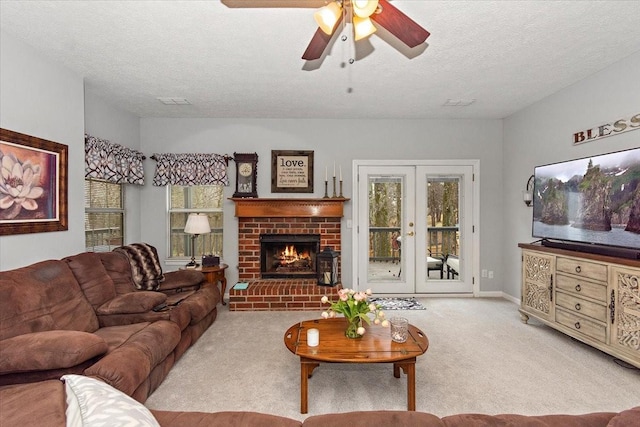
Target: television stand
(590,297)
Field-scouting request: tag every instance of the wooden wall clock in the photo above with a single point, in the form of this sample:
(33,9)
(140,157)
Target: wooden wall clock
(246,174)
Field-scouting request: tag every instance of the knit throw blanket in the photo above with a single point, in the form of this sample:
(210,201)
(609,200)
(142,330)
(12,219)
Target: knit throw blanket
(145,267)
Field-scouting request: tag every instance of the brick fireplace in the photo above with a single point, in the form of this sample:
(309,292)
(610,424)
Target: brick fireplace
(291,217)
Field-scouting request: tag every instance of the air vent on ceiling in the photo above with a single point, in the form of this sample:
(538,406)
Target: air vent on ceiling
(458,102)
(174,101)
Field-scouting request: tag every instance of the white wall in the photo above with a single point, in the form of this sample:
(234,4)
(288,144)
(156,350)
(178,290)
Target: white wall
(105,121)
(41,98)
(341,141)
(543,133)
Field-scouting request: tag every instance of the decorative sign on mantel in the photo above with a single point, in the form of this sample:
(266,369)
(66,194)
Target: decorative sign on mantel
(291,171)
(615,127)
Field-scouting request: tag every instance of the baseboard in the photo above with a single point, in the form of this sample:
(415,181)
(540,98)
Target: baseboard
(511,298)
(485,294)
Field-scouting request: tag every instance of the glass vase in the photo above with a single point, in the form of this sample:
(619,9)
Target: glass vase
(352,328)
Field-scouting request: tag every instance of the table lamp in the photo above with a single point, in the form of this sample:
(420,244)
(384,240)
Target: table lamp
(197,224)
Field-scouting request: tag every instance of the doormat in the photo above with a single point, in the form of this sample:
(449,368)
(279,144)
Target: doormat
(398,303)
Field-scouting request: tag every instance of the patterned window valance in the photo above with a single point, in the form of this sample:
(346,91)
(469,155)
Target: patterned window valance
(112,162)
(190,169)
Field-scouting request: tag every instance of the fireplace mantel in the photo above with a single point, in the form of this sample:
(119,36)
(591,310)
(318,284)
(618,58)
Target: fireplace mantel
(289,208)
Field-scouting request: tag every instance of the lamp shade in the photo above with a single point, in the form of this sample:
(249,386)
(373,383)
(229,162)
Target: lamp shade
(197,223)
(363,27)
(364,8)
(327,16)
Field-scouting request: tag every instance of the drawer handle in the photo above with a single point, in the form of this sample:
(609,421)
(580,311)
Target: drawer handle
(577,325)
(578,269)
(578,307)
(578,288)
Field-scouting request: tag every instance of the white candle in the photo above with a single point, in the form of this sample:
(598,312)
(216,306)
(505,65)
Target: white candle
(334,169)
(327,277)
(326,174)
(313,337)
(340,172)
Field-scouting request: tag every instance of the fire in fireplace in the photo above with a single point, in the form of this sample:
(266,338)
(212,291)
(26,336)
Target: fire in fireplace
(288,255)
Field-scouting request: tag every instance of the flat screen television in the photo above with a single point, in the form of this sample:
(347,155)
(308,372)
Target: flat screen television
(590,204)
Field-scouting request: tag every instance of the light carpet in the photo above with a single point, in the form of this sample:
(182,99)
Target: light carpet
(397,303)
(481,358)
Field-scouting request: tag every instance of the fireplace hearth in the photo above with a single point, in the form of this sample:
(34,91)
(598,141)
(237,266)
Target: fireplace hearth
(288,256)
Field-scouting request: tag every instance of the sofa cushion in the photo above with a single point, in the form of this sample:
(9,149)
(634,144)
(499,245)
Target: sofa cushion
(201,302)
(41,297)
(178,281)
(92,277)
(134,350)
(92,403)
(145,266)
(119,269)
(133,302)
(41,351)
(374,418)
(33,405)
(630,417)
(599,419)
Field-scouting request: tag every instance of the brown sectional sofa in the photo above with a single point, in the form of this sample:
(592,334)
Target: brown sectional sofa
(83,315)
(43,405)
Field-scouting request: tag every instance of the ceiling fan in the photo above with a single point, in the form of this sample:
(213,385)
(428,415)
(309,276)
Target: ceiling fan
(362,12)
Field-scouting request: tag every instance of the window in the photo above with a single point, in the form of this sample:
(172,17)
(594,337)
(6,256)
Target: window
(103,215)
(184,200)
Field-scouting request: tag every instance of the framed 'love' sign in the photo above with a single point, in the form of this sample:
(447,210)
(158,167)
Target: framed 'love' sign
(291,171)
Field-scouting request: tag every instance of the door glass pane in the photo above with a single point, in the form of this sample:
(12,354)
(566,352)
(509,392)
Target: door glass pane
(443,228)
(385,221)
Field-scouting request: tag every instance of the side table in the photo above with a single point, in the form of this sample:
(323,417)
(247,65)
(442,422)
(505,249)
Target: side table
(215,274)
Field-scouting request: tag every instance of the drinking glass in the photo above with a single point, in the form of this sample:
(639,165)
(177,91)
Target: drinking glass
(399,329)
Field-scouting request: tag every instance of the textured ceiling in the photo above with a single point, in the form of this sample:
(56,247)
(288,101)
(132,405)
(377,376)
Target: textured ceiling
(242,58)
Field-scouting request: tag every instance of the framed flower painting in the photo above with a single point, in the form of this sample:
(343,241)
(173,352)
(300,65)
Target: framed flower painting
(33,184)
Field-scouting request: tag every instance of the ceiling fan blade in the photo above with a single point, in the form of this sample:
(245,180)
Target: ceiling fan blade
(319,43)
(314,4)
(400,25)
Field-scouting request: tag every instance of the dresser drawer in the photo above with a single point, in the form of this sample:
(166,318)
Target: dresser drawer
(582,306)
(581,268)
(581,287)
(590,328)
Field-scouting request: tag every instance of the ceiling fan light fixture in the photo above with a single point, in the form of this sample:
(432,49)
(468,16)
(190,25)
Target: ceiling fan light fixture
(364,8)
(363,27)
(327,16)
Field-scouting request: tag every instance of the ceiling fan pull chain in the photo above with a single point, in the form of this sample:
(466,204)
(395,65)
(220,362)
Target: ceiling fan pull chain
(351,53)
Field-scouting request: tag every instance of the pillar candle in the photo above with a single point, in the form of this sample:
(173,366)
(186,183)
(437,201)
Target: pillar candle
(326,174)
(313,337)
(327,277)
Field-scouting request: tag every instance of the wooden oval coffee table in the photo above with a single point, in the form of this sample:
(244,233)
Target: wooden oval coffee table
(375,346)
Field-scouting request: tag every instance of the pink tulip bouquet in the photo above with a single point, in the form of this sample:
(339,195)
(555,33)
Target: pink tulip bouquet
(355,308)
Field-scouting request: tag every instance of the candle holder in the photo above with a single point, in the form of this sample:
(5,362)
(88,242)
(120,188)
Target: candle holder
(326,188)
(334,188)
(341,196)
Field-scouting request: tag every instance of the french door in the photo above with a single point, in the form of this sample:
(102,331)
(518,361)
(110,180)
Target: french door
(414,229)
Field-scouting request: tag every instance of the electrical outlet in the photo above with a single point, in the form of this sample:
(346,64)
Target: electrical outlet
(484,272)
(490,274)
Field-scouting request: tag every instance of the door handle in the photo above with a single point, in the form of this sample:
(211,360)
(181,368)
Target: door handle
(410,233)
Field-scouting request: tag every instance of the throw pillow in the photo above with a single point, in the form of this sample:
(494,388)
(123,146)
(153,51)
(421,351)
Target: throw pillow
(93,403)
